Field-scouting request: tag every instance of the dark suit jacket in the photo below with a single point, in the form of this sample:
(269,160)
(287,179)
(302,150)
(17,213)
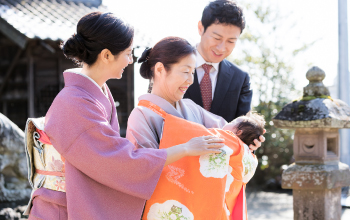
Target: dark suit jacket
(232,96)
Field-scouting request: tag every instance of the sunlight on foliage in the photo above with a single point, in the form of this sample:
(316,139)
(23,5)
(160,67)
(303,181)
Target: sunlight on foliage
(269,64)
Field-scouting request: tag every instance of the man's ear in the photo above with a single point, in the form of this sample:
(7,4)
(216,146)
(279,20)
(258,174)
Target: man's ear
(200,28)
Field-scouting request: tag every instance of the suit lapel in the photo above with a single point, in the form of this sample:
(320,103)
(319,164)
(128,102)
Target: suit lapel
(194,91)
(222,85)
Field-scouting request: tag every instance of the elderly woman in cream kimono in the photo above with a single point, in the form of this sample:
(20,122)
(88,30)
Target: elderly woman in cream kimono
(169,66)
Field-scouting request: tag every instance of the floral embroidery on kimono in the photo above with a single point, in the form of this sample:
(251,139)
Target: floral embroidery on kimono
(169,210)
(51,161)
(216,165)
(250,164)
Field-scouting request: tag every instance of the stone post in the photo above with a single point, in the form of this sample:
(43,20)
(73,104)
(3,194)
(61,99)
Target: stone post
(317,175)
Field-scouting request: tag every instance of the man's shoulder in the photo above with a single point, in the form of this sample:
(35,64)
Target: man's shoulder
(232,67)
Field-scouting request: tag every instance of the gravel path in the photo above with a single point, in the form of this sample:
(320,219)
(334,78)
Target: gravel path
(261,206)
(275,206)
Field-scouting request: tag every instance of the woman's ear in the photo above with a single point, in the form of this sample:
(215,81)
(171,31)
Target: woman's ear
(159,69)
(106,56)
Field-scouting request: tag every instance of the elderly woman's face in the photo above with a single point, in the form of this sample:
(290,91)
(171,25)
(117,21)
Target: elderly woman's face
(174,84)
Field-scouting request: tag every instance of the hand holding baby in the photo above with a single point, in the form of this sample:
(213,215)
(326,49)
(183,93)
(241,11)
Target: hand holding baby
(249,128)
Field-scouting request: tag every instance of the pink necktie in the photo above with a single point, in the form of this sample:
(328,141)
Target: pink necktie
(205,86)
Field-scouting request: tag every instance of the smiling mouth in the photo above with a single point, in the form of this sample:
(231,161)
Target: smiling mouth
(183,89)
(217,54)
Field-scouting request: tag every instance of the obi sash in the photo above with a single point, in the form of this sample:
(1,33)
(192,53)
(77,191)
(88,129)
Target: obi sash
(45,164)
(210,186)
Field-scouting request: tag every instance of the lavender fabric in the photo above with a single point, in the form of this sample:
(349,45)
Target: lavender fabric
(145,127)
(106,176)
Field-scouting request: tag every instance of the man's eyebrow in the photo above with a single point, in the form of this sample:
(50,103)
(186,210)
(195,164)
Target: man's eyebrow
(233,38)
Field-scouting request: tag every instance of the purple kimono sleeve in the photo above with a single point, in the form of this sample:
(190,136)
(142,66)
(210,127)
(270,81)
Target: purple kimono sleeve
(113,162)
(79,129)
(142,132)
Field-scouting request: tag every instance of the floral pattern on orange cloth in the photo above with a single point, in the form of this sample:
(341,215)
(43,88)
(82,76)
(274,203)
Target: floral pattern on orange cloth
(169,210)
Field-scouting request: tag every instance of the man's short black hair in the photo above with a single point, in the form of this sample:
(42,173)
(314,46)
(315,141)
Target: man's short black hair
(223,12)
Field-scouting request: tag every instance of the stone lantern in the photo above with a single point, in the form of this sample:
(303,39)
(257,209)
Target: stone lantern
(317,176)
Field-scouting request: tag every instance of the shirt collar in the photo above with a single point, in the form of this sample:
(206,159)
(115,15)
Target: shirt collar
(200,61)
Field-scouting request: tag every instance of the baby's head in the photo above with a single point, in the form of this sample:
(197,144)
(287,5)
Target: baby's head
(247,127)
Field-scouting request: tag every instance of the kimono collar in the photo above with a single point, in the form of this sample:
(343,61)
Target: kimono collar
(162,103)
(73,79)
(78,71)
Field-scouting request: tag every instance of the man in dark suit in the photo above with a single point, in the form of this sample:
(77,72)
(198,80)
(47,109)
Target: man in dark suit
(220,86)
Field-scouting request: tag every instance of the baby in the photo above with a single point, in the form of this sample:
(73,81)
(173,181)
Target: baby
(247,127)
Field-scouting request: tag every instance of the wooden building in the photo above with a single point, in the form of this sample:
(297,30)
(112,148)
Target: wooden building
(31,62)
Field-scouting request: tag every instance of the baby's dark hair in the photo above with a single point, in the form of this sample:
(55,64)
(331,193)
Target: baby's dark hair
(252,127)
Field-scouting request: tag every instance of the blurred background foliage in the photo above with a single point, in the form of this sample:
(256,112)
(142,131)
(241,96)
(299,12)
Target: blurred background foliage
(270,67)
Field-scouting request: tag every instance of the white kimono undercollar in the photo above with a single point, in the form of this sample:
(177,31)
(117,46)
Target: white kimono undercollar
(78,71)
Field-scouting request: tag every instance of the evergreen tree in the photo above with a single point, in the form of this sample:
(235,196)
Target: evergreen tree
(268,61)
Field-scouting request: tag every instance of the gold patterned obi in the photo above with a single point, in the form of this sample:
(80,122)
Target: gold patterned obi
(45,164)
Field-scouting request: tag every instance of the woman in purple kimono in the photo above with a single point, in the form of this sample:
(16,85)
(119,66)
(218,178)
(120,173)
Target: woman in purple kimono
(106,176)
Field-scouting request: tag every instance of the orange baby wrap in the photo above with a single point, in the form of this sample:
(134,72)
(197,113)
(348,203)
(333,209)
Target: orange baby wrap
(205,187)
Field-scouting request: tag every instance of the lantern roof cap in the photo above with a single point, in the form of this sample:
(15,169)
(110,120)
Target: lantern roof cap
(316,108)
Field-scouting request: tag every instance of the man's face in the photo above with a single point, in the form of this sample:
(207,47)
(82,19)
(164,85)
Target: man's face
(218,41)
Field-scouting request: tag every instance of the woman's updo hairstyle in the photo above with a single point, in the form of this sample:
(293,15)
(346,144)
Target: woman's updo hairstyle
(168,51)
(95,32)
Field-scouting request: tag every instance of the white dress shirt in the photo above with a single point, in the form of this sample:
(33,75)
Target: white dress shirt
(213,71)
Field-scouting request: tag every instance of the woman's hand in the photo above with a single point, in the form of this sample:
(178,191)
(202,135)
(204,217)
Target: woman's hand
(203,145)
(195,147)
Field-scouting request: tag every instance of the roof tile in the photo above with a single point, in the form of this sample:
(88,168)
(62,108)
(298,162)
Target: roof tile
(47,19)
(52,19)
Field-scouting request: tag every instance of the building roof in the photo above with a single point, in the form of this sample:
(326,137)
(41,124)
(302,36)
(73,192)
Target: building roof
(21,20)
